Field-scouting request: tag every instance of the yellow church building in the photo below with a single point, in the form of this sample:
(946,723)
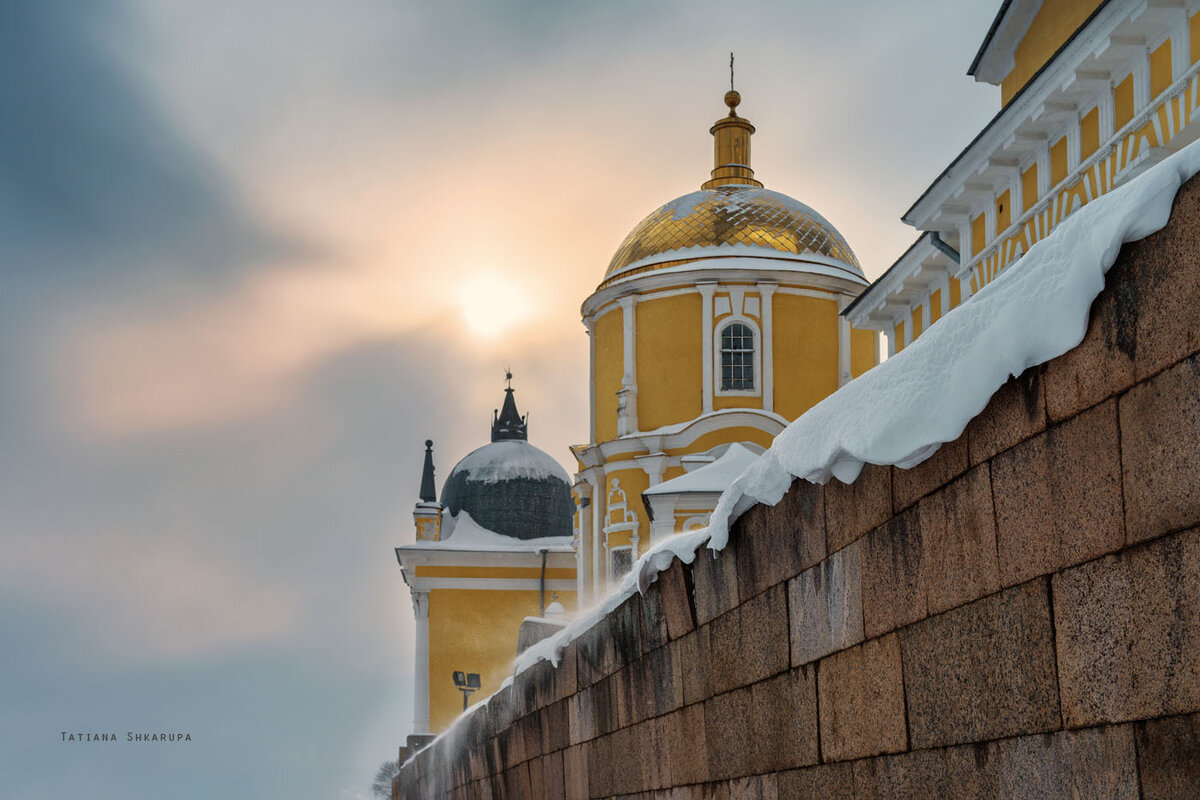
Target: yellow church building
(717,322)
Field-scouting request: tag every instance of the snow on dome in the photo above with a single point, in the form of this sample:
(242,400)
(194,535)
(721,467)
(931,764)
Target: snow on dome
(507,460)
(512,488)
(900,412)
(461,532)
(709,222)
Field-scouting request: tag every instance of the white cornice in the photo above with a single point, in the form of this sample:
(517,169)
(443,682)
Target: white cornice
(997,58)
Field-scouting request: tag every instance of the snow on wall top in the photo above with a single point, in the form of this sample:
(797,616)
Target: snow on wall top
(903,410)
(509,460)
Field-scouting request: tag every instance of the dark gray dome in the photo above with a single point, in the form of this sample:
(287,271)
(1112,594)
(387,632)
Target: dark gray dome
(512,488)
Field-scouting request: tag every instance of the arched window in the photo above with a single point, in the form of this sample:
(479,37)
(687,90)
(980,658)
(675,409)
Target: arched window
(737,358)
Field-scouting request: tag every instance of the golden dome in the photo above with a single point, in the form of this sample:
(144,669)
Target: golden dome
(730,220)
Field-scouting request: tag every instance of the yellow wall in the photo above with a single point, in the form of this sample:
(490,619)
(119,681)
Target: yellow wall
(898,337)
(978,234)
(609,371)
(1194,36)
(1050,29)
(634,481)
(474,630)
(1029,187)
(1160,69)
(805,352)
(935,306)
(668,360)
(1003,211)
(918,320)
(864,351)
(1123,102)
(955,292)
(1058,161)
(1089,133)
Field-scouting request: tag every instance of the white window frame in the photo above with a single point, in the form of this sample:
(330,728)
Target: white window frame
(756,331)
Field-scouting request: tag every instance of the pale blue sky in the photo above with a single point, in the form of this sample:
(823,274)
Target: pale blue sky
(254,252)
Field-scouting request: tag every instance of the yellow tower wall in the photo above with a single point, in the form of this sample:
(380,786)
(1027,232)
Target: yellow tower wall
(805,352)
(668,360)
(609,371)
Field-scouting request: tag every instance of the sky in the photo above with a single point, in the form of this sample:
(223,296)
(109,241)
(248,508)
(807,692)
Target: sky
(254,252)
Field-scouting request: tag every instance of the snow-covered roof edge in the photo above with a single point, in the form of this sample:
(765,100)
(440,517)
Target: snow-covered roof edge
(900,412)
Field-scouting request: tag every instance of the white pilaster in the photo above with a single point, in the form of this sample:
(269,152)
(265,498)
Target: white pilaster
(596,479)
(766,292)
(587,321)
(420,602)
(706,334)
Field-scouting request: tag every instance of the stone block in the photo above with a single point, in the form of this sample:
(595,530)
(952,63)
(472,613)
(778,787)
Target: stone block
(946,464)
(1098,762)
(1101,366)
(691,655)
(516,782)
(565,680)
(675,590)
(1164,292)
(537,782)
(606,710)
(654,619)
(684,738)
(861,701)
(1160,452)
(798,522)
(1016,412)
(958,533)
(828,781)
(762,559)
(599,767)
(1058,497)
(595,652)
(853,509)
(553,782)
(750,642)
(1128,633)
(825,606)
(948,772)
(660,684)
(893,582)
(1168,753)
(581,719)
(714,581)
(575,772)
(626,630)
(625,758)
(784,716)
(556,726)
(729,745)
(982,671)
(755,787)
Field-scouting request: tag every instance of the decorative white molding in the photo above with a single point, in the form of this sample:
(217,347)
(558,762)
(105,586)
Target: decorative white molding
(706,326)
(766,291)
(420,603)
(716,356)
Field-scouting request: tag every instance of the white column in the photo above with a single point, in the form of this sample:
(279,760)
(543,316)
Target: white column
(890,333)
(598,495)
(843,344)
(627,417)
(587,321)
(420,602)
(766,292)
(706,343)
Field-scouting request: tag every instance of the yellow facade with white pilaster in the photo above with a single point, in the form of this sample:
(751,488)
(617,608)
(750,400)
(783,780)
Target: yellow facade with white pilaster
(717,322)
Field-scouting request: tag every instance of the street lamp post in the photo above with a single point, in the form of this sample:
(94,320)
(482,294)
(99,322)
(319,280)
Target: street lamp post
(466,682)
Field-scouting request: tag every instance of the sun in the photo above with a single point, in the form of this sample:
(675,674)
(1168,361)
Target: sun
(492,304)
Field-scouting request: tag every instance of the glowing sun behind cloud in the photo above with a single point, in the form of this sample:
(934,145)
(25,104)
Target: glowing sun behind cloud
(491,304)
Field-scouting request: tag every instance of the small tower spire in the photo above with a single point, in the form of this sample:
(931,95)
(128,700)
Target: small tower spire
(507,423)
(428,490)
(427,512)
(731,145)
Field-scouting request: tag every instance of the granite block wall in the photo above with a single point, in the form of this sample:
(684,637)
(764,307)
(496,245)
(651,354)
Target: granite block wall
(1019,616)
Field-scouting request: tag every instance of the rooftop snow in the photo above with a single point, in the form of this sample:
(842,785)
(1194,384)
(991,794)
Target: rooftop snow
(464,533)
(712,477)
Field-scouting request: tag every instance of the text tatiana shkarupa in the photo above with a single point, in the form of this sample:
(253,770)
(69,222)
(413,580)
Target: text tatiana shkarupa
(128,736)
